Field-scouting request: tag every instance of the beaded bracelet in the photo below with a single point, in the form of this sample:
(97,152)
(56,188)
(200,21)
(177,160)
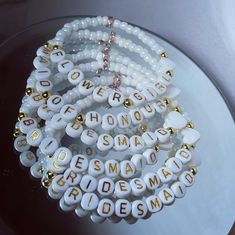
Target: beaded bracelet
(111,169)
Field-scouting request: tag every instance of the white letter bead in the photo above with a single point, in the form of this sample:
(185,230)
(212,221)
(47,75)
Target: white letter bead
(43,85)
(160,88)
(105,186)
(42,73)
(59,184)
(86,87)
(89,137)
(72,195)
(127,169)
(150,156)
(44,112)
(149,93)
(179,189)
(79,163)
(139,161)
(190,136)
(27,158)
(68,112)
(165,174)
(105,207)
(154,204)
(160,106)
(57,122)
(148,110)
(75,76)
(151,180)
(105,142)
(138,186)
(71,177)
(62,156)
(100,94)
(48,145)
(124,120)
(88,183)
(112,168)
(136,143)
(136,116)
(96,218)
(184,155)
(93,119)
(64,206)
(57,55)
(122,189)
(116,98)
(166,196)
(55,103)
(163,135)
(174,164)
(122,208)
(137,98)
(187,178)
(34,137)
(35,170)
(139,209)
(89,201)
(121,142)
(109,122)
(175,119)
(26,124)
(65,66)
(41,62)
(74,129)
(81,212)
(96,167)
(150,138)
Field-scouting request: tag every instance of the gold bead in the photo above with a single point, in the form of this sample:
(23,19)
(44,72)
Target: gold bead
(51,174)
(157,147)
(48,45)
(193,170)
(21,115)
(170,73)
(177,109)
(127,103)
(190,125)
(40,170)
(56,47)
(16,133)
(163,54)
(45,94)
(171,130)
(167,101)
(185,146)
(46,182)
(80,117)
(144,128)
(29,91)
(50,155)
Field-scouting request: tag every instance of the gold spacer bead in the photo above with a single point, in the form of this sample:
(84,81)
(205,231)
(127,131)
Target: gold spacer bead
(190,125)
(16,133)
(80,117)
(56,47)
(177,109)
(45,95)
(185,146)
(193,170)
(144,128)
(171,130)
(50,155)
(170,73)
(46,182)
(21,115)
(48,45)
(40,170)
(29,91)
(51,174)
(167,101)
(127,103)
(157,147)
(163,54)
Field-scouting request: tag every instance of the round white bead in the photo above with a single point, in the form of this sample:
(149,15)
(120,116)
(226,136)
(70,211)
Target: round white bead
(138,186)
(122,189)
(79,163)
(68,112)
(27,158)
(105,207)
(105,186)
(89,137)
(26,124)
(55,103)
(57,55)
(139,209)
(109,122)
(174,164)
(150,156)
(127,169)
(65,66)
(116,98)
(88,183)
(100,94)
(93,119)
(96,167)
(184,155)
(122,208)
(152,180)
(136,143)
(112,168)
(62,156)
(187,178)
(139,161)
(154,204)
(163,135)
(105,142)
(75,76)
(166,195)
(89,201)
(48,145)
(72,195)
(74,129)
(179,189)
(34,137)
(121,142)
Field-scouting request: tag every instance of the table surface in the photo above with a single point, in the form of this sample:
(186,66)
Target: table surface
(201,29)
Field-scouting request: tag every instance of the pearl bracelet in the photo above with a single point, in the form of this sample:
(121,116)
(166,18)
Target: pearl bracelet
(103,162)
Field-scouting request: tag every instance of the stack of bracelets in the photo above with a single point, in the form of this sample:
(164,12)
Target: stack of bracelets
(95,123)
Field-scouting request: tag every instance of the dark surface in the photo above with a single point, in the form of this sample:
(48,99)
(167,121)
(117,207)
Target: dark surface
(25,207)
